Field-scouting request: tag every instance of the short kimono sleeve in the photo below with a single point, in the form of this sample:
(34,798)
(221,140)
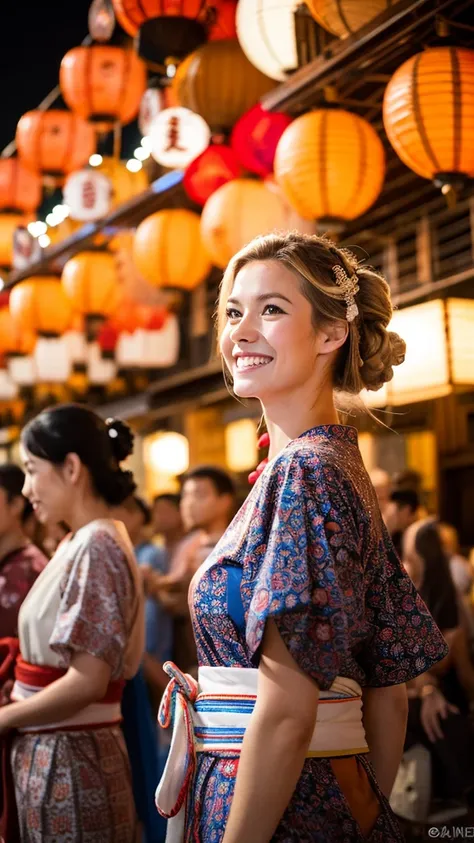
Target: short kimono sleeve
(296,584)
(96,604)
(403,640)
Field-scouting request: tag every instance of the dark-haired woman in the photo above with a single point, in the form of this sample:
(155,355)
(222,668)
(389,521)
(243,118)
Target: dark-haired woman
(81,635)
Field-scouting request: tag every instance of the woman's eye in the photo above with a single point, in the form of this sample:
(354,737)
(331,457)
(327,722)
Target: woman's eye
(272,310)
(232,313)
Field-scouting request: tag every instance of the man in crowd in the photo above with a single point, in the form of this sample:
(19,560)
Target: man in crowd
(400,512)
(207,507)
(167,522)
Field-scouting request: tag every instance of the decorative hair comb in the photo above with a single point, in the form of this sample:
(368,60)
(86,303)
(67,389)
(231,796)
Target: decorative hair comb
(350,288)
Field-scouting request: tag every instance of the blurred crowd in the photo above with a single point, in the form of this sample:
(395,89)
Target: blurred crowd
(174,534)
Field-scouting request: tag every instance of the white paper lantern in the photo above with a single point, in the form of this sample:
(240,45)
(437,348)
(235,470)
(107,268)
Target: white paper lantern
(266,32)
(169,453)
(151,106)
(22,369)
(8,389)
(52,361)
(177,137)
(100,370)
(150,349)
(88,194)
(76,344)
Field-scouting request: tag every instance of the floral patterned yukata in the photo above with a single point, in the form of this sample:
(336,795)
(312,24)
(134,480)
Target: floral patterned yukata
(74,786)
(309,550)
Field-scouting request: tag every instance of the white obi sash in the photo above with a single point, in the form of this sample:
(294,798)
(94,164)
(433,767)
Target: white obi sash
(211,715)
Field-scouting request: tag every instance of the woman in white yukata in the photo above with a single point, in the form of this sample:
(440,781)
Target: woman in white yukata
(81,635)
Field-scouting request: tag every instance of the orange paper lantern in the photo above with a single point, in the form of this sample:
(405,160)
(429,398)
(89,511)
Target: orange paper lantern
(8,225)
(54,142)
(91,283)
(103,84)
(39,305)
(330,165)
(125,185)
(428,113)
(14,340)
(20,189)
(168,251)
(218,82)
(344,17)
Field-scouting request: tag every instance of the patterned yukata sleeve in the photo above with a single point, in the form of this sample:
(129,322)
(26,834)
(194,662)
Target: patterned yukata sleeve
(96,603)
(403,641)
(296,584)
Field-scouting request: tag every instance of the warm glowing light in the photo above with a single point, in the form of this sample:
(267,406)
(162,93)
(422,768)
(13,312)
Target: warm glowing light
(141,154)
(44,240)
(133,165)
(169,454)
(241,445)
(95,160)
(146,143)
(37,227)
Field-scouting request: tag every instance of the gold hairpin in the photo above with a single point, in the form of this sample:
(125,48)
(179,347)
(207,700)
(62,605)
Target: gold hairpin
(350,288)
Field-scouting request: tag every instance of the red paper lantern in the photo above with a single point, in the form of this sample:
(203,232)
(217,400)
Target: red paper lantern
(153,318)
(108,337)
(224,27)
(255,138)
(215,166)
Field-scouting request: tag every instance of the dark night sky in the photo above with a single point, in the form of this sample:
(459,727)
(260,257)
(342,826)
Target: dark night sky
(34,35)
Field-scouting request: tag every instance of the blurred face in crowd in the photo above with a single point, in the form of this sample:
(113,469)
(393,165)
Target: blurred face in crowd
(202,505)
(398,517)
(166,517)
(10,512)
(131,515)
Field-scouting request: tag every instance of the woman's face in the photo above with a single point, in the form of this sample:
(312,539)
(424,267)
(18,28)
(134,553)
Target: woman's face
(269,343)
(46,487)
(412,561)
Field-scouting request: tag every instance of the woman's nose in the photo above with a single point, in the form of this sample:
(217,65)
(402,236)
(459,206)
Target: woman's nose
(26,487)
(244,331)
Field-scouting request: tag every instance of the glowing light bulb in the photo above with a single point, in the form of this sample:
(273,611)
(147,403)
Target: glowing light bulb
(95,160)
(44,240)
(133,165)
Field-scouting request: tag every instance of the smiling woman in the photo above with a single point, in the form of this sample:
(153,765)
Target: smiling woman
(304,594)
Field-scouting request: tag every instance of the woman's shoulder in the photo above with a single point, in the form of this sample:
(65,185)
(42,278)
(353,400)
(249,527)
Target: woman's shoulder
(104,537)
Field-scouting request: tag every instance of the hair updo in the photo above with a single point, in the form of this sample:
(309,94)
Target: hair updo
(101,446)
(367,358)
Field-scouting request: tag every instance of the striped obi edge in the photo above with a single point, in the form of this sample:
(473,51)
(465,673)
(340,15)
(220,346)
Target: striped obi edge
(211,715)
(31,678)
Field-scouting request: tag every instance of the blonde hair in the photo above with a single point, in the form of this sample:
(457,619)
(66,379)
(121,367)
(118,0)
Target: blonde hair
(367,358)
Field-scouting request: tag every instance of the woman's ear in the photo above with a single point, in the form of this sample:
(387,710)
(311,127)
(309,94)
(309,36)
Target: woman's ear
(72,468)
(332,336)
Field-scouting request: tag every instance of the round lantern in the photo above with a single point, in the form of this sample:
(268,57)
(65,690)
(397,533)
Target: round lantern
(266,31)
(39,305)
(219,83)
(344,17)
(223,26)
(239,211)
(255,138)
(20,189)
(90,281)
(215,166)
(330,165)
(151,104)
(428,112)
(167,27)
(124,185)
(13,340)
(168,251)
(8,226)
(177,136)
(103,84)
(54,142)
(88,195)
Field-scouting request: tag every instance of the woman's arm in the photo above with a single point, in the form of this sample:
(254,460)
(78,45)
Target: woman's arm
(84,683)
(385,713)
(275,744)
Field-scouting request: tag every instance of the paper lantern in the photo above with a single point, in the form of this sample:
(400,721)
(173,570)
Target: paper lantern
(168,251)
(218,82)
(101,369)
(428,114)
(150,348)
(20,189)
(26,248)
(255,138)
(124,184)
(8,225)
(177,136)
(266,32)
(241,450)
(14,340)
(330,165)
(101,20)
(439,356)
(8,388)
(54,142)
(239,211)
(344,17)
(39,305)
(66,228)
(103,84)
(224,26)
(88,195)
(214,167)
(169,453)
(152,103)
(90,281)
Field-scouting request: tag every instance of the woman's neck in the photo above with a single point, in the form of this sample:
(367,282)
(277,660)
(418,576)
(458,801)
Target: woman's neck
(289,418)
(86,511)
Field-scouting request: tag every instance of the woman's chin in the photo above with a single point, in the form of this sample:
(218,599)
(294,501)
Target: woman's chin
(243,389)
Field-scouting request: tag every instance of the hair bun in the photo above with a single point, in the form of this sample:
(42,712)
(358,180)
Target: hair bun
(121,439)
